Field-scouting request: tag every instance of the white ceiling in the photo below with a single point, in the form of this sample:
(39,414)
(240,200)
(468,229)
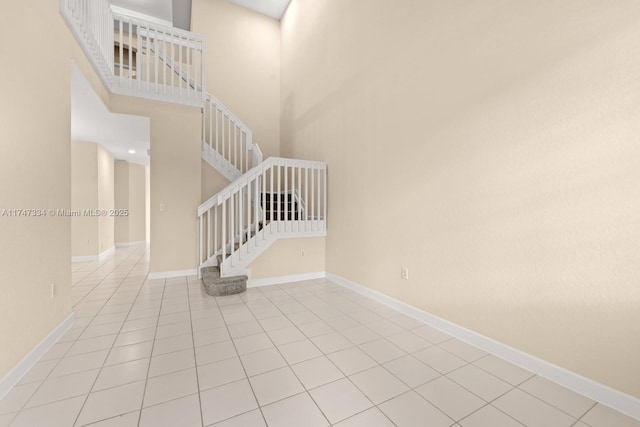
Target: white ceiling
(163,9)
(91,121)
(272,8)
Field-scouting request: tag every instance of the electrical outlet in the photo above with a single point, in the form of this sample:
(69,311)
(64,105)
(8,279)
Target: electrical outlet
(302,253)
(53,290)
(404,273)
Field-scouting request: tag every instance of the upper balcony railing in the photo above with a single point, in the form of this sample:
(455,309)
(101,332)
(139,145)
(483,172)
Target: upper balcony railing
(137,57)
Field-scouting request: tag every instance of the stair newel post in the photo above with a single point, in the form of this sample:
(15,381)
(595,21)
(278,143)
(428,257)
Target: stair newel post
(232,227)
(240,216)
(248,209)
(256,225)
(306,196)
(278,217)
(314,222)
(208,234)
(324,204)
(299,191)
(223,230)
(201,239)
(215,230)
(286,195)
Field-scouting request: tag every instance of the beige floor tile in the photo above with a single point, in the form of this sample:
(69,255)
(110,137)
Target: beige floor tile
(316,372)
(227,401)
(503,370)
(352,360)
(555,395)
(128,353)
(252,418)
(360,335)
(172,344)
(262,361)
(169,387)
(111,402)
(215,352)
(171,362)
(299,351)
(429,333)
(244,329)
(450,398)
(440,360)
(276,322)
(409,342)
(463,350)
(211,336)
(295,411)
(38,372)
(370,418)
(91,344)
(603,416)
(286,335)
(411,410)
(124,420)
(55,389)
(218,373)
(275,385)
(123,373)
(531,411)
(480,382)
(58,414)
(382,351)
(183,412)
(411,371)
(252,343)
(488,416)
(330,343)
(378,384)
(339,400)
(17,398)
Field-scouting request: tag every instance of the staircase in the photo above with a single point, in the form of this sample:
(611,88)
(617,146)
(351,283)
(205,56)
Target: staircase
(266,199)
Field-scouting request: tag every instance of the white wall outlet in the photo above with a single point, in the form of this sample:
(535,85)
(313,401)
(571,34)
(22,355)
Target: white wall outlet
(163,207)
(404,273)
(302,253)
(53,290)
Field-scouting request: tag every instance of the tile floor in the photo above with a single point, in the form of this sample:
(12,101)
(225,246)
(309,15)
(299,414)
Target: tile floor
(162,353)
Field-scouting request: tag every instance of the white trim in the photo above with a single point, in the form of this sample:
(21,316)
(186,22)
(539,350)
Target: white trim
(127,244)
(254,283)
(106,253)
(139,15)
(170,274)
(84,258)
(15,375)
(599,392)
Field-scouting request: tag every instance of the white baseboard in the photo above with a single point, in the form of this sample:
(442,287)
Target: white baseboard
(254,283)
(84,258)
(16,374)
(596,391)
(127,244)
(170,274)
(106,253)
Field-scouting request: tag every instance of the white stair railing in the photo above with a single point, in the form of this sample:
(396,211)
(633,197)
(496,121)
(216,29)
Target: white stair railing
(227,141)
(279,198)
(136,57)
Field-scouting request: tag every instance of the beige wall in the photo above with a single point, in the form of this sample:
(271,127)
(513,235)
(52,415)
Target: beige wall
(174,180)
(496,157)
(137,203)
(35,173)
(212,181)
(105,199)
(147,203)
(84,195)
(290,256)
(130,195)
(121,179)
(243,65)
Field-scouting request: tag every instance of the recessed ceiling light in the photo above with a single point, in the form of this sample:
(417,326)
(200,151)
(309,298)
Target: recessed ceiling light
(132,151)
